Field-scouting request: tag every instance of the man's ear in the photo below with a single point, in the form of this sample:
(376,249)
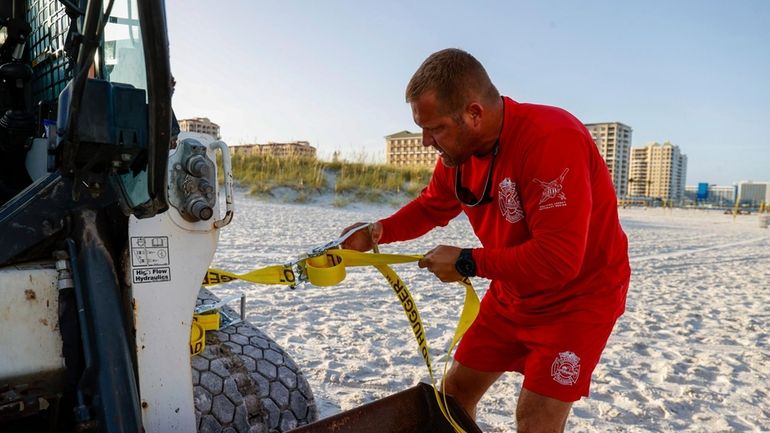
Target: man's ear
(475,111)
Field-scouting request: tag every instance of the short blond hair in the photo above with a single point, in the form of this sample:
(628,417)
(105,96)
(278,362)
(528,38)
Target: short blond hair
(456,77)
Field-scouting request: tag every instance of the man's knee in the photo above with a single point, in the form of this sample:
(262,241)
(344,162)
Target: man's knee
(467,385)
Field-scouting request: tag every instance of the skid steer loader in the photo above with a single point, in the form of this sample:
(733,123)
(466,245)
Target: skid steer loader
(109,219)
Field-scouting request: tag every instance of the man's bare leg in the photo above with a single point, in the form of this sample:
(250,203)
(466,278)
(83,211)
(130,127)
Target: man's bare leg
(468,385)
(537,413)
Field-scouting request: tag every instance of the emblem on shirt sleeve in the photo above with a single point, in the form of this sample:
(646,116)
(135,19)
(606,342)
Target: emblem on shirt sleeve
(553,196)
(508,199)
(565,369)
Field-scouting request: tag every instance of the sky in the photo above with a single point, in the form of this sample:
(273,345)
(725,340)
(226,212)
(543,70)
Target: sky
(333,72)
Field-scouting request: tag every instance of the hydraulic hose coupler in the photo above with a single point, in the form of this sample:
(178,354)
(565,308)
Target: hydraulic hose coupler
(198,208)
(193,180)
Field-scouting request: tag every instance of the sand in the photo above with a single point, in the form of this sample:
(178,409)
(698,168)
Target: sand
(690,354)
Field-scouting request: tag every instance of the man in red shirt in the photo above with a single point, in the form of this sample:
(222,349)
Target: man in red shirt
(540,199)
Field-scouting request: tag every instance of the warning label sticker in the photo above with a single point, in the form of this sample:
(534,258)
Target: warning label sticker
(149,251)
(152,275)
(149,259)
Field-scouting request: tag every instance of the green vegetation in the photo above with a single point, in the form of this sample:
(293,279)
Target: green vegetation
(263,173)
(348,181)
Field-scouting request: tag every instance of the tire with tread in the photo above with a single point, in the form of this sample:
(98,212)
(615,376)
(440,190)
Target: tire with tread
(244,382)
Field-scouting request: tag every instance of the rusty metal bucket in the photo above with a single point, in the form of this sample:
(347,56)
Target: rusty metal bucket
(411,411)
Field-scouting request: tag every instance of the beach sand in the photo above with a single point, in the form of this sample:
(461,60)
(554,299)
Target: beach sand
(690,354)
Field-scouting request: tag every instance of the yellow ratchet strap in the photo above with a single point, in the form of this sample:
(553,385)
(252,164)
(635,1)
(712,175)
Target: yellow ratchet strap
(329,269)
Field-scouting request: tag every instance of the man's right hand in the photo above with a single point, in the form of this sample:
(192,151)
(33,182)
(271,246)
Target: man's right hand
(362,240)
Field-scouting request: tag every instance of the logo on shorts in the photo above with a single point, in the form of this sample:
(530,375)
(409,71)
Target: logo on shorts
(565,369)
(509,202)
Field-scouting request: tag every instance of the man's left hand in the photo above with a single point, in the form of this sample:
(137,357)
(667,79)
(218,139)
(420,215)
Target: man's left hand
(441,261)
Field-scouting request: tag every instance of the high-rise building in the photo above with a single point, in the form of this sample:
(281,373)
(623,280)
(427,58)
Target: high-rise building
(753,193)
(637,172)
(405,148)
(200,124)
(613,139)
(657,171)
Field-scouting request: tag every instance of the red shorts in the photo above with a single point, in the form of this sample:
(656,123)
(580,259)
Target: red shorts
(556,359)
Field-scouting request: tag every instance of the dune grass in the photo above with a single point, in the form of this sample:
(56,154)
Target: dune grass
(307,176)
(263,173)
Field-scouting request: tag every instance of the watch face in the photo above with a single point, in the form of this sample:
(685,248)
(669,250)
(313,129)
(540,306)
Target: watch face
(465,268)
(465,265)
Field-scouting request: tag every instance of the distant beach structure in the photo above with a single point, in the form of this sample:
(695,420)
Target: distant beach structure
(405,148)
(201,125)
(301,149)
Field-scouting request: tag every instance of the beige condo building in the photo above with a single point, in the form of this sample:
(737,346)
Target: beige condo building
(405,148)
(301,149)
(613,139)
(638,172)
(657,171)
(201,125)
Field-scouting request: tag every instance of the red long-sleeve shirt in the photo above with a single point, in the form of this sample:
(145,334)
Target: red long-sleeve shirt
(552,241)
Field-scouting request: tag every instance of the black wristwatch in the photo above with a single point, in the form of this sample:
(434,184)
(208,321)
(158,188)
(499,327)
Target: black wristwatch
(465,265)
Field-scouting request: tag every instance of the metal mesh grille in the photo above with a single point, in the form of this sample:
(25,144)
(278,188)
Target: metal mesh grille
(46,47)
